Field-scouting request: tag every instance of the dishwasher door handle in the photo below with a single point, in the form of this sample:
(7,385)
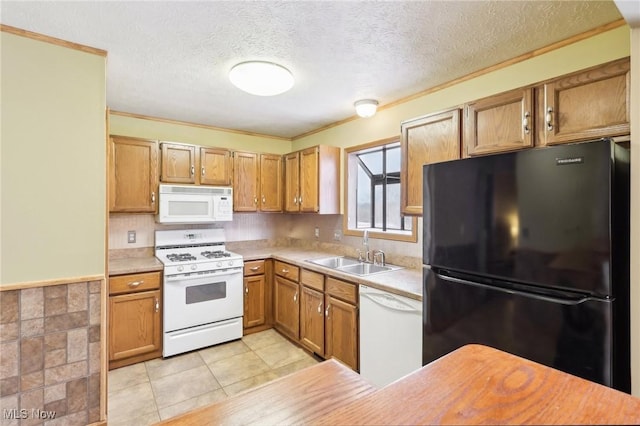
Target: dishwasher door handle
(388,301)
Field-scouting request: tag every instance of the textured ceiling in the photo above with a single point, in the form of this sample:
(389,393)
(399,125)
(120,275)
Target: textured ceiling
(171,59)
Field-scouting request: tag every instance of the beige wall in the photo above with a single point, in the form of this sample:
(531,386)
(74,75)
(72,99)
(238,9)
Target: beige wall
(168,131)
(53,162)
(635,212)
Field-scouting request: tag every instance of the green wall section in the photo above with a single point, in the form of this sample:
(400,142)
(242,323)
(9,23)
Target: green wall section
(151,129)
(52,162)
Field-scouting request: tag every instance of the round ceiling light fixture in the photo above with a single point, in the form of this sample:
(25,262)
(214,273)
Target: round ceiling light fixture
(366,107)
(261,78)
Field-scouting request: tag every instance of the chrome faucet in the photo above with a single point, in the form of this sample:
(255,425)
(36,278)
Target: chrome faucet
(364,254)
(378,257)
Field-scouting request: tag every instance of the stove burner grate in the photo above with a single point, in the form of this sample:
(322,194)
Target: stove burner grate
(180,257)
(215,254)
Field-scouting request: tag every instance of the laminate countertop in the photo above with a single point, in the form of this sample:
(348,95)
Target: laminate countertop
(404,282)
(134,265)
(472,385)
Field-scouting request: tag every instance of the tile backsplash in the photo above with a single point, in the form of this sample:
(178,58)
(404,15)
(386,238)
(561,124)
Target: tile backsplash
(272,227)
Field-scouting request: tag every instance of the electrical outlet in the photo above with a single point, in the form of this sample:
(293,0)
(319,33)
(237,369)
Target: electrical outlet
(337,235)
(131,237)
(317,232)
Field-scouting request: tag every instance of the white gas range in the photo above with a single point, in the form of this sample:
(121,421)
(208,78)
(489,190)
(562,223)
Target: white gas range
(202,289)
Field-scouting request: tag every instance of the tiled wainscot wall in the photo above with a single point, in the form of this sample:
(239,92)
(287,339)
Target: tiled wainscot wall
(50,354)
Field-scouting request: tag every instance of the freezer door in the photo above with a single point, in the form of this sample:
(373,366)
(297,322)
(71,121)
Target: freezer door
(572,335)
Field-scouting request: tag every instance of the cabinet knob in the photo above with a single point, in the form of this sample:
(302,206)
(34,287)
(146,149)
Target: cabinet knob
(320,308)
(525,122)
(326,311)
(246,290)
(549,119)
(255,200)
(295,200)
(157,305)
(193,170)
(202,171)
(134,284)
(295,297)
(285,271)
(153,197)
(254,268)
(264,200)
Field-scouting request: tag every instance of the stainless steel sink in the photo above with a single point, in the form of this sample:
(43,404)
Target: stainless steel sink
(352,266)
(366,269)
(334,262)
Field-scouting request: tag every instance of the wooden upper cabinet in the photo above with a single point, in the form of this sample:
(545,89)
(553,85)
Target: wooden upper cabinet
(133,175)
(178,163)
(270,183)
(291,182)
(429,139)
(503,122)
(215,166)
(246,181)
(312,180)
(586,105)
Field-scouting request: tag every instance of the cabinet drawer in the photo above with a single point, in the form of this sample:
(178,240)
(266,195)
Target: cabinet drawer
(312,279)
(254,267)
(287,271)
(134,282)
(342,290)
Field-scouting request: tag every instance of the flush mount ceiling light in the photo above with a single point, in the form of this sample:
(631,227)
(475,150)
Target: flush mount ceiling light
(261,78)
(366,107)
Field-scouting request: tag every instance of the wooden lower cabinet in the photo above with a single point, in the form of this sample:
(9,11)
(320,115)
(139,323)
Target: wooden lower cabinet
(135,319)
(312,320)
(254,312)
(341,331)
(286,307)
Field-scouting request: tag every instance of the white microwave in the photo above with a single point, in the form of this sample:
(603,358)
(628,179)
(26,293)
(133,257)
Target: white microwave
(194,204)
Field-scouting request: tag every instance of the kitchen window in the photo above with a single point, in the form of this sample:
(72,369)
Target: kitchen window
(373,192)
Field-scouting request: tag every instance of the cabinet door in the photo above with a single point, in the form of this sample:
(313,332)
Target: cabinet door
(270,183)
(587,105)
(341,331)
(178,163)
(215,166)
(499,123)
(254,301)
(134,324)
(291,182)
(133,175)
(245,181)
(286,306)
(309,172)
(312,319)
(428,139)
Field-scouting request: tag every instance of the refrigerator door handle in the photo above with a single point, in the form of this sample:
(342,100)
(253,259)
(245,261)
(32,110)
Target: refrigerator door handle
(389,301)
(533,294)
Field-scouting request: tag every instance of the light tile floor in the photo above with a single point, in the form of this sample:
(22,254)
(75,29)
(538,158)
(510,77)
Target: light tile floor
(155,390)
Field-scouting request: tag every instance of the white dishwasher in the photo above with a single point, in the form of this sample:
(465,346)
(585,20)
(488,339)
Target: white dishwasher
(390,336)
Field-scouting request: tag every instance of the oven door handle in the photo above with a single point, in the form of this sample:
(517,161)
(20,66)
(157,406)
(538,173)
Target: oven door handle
(198,276)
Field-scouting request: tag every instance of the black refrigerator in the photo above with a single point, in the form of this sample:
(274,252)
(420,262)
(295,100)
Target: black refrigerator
(528,252)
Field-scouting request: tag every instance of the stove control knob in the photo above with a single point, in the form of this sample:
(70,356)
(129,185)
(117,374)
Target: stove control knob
(194,267)
(219,264)
(180,268)
(230,263)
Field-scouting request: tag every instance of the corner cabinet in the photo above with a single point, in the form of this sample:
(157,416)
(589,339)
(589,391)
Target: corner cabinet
(133,175)
(257,182)
(585,105)
(312,180)
(428,139)
(135,318)
(499,123)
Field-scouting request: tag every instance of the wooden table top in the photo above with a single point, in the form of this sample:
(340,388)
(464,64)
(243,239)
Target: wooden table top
(473,385)
(481,385)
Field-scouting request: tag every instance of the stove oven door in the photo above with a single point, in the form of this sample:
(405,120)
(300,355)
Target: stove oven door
(202,298)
